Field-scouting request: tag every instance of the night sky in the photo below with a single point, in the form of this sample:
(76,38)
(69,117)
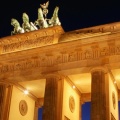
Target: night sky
(73,14)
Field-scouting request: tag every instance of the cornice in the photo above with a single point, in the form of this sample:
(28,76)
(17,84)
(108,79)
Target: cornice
(90,32)
(88,52)
(30,40)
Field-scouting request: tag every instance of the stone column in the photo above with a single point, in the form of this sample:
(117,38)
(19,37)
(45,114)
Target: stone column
(52,99)
(2,100)
(98,95)
(7,101)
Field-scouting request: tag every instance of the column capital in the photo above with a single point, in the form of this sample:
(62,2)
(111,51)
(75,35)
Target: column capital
(99,68)
(53,75)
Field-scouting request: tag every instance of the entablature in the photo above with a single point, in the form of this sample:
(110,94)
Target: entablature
(61,55)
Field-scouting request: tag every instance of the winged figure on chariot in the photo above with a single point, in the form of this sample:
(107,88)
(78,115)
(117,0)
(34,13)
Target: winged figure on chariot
(41,22)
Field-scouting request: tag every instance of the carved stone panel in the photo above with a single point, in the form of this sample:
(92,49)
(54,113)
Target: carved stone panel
(23,108)
(72,103)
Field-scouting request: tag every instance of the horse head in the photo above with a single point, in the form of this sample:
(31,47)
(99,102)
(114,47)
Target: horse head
(55,20)
(17,28)
(14,22)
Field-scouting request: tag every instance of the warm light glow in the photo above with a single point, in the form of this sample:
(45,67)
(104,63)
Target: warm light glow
(73,87)
(26,92)
(115,82)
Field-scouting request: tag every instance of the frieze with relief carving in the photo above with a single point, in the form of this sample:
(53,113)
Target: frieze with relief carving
(48,61)
(31,43)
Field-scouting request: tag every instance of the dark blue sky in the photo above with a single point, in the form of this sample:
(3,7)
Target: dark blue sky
(73,15)
(40,111)
(86,111)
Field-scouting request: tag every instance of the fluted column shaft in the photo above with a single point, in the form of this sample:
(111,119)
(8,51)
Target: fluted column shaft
(50,107)
(8,95)
(98,96)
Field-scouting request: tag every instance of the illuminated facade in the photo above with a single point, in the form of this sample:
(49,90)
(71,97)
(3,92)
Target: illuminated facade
(61,70)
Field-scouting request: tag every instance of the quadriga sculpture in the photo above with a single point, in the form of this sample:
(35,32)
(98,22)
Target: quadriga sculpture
(41,22)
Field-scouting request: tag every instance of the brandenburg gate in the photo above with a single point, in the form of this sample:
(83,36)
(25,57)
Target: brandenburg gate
(59,71)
